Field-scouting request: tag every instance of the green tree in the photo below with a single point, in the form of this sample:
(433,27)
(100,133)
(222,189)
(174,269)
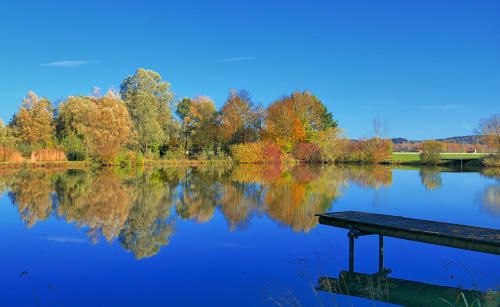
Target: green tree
(148,99)
(7,137)
(430,152)
(182,112)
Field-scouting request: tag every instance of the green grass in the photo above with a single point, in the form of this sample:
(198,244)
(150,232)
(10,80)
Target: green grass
(414,157)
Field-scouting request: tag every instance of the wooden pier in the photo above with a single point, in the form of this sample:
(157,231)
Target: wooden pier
(398,291)
(479,239)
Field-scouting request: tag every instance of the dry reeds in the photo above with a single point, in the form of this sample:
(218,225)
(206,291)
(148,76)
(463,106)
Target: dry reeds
(48,154)
(10,155)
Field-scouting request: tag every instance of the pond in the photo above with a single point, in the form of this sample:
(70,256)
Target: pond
(243,235)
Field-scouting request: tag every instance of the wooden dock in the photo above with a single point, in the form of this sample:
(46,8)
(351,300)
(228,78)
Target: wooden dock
(453,235)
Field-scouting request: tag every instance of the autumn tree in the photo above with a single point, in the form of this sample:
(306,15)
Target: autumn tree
(148,99)
(241,119)
(490,130)
(182,112)
(431,152)
(7,137)
(294,119)
(107,127)
(202,123)
(33,125)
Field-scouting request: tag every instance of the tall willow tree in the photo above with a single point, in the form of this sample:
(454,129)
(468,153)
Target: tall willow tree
(148,99)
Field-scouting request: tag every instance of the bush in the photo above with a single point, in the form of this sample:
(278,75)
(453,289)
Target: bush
(48,154)
(139,158)
(377,150)
(430,152)
(256,152)
(10,155)
(125,158)
(492,160)
(307,152)
(76,156)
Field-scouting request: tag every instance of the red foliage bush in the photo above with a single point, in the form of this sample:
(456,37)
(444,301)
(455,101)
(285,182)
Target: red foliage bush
(306,152)
(48,154)
(10,155)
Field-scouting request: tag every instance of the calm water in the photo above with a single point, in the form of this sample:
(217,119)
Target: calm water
(222,236)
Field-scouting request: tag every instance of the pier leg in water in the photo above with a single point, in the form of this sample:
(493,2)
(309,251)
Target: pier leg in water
(351,252)
(380,253)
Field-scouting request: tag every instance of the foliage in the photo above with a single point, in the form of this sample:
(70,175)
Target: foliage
(202,123)
(431,152)
(241,119)
(492,160)
(378,150)
(34,122)
(105,127)
(9,155)
(74,147)
(306,152)
(256,152)
(48,154)
(7,137)
(147,99)
(294,119)
(330,143)
(182,111)
(490,129)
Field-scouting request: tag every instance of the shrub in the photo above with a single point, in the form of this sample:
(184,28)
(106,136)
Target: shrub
(125,158)
(10,155)
(307,152)
(256,152)
(48,154)
(491,160)
(139,158)
(377,150)
(430,152)
(76,156)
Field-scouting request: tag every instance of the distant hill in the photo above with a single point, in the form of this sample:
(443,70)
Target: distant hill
(467,139)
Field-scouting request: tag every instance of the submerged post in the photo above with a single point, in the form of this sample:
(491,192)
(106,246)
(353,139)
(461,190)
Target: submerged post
(380,253)
(351,252)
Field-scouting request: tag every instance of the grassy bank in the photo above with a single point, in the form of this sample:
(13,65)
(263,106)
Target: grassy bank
(413,158)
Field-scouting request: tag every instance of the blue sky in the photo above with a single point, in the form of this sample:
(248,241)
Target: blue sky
(429,68)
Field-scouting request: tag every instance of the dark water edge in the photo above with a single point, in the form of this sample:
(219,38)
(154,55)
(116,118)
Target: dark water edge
(242,235)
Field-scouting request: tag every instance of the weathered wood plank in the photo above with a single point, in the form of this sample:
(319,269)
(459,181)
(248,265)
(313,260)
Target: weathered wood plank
(440,233)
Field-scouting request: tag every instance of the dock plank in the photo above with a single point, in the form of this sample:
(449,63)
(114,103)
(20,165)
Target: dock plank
(448,234)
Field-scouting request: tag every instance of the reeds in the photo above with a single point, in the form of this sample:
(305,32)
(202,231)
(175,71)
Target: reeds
(48,154)
(10,155)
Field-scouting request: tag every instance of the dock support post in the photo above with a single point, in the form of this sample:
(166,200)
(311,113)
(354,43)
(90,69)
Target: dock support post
(380,253)
(351,253)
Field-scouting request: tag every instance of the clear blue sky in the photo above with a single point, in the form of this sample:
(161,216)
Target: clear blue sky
(430,68)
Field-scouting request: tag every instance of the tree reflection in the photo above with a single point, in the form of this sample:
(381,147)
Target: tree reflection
(150,224)
(98,202)
(141,208)
(31,191)
(490,200)
(431,178)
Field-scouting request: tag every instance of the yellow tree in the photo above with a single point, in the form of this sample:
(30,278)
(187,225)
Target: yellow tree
(107,127)
(33,123)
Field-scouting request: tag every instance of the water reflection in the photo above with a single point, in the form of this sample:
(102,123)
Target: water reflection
(431,178)
(141,208)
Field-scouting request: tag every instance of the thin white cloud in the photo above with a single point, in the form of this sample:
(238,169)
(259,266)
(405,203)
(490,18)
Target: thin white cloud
(65,239)
(236,59)
(442,107)
(75,63)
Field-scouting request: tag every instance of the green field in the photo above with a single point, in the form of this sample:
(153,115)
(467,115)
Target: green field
(415,156)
